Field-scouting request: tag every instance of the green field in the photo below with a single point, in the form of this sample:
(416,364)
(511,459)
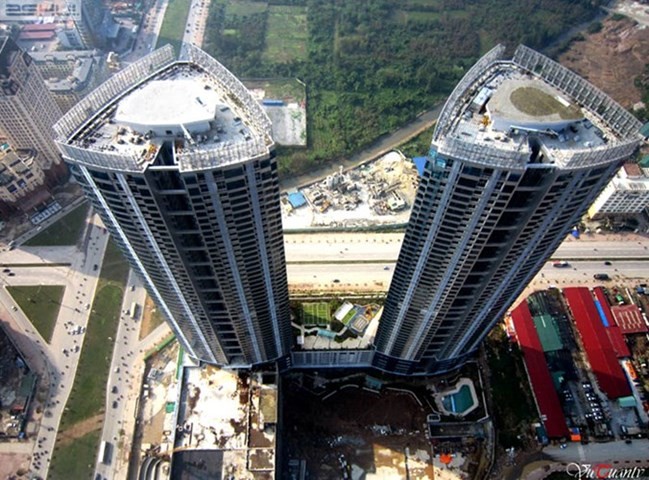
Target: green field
(173,25)
(41,304)
(75,459)
(315,314)
(88,392)
(65,231)
(286,34)
(241,8)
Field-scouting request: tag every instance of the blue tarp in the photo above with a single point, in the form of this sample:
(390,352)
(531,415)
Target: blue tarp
(420,163)
(602,315)
(296,199)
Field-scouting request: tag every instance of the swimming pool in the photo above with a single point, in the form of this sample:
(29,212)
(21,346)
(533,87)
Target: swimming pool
(458,402)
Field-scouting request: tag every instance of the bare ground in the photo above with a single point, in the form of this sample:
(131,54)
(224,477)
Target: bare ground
(80,429)
(149,320)
(612,58)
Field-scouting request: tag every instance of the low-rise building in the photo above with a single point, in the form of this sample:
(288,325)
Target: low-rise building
(626,196)
(69,75)
(22,181)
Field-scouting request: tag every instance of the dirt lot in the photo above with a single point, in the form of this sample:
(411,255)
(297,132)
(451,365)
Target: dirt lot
(356,430)
(612,58)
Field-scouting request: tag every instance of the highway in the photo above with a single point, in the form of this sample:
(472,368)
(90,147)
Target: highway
(384,247)
(122,389)
(195,26)
(377,276)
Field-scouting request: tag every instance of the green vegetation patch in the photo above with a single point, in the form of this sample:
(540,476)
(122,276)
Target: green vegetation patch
(508,380)
(88,393)
(173,25)
(536,102)
(316,314)
(286,34)
(371,67)
(241,8)
(65,231)
(75,459)
(41,304)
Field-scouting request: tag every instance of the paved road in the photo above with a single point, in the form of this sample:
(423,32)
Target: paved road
(619,454)
(377,276)
(122,388)
(376,247)
(195,25)
(337,247)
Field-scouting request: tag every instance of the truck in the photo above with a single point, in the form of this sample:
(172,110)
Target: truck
(105,452)
(135,311)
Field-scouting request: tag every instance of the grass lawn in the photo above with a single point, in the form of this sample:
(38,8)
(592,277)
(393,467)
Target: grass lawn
(241,8)
(173,25)
(41,304)
(536,102)
(88,392)
(315,314)
(286,34)
(76,459)
(65,231)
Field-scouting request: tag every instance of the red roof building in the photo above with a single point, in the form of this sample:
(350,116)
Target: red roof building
(629,319)
(613,331)
(537,369)
(599,350)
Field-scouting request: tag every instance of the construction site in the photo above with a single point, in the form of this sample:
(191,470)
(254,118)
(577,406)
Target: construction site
(17,386)
(203,422)
(377,193)
(369,428)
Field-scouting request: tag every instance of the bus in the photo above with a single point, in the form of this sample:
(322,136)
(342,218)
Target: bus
(105,452)
(135,311)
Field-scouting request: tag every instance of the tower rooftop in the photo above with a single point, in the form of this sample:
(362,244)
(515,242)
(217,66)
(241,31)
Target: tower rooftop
(194,105)
(530,109)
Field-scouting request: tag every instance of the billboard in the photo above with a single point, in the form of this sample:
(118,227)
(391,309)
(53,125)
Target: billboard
(35,10)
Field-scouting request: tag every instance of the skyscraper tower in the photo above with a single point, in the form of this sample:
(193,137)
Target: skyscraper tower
(520,151)
(178,160)
(27,110)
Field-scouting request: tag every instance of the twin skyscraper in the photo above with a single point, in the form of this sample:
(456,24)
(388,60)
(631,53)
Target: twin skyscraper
(177,158)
